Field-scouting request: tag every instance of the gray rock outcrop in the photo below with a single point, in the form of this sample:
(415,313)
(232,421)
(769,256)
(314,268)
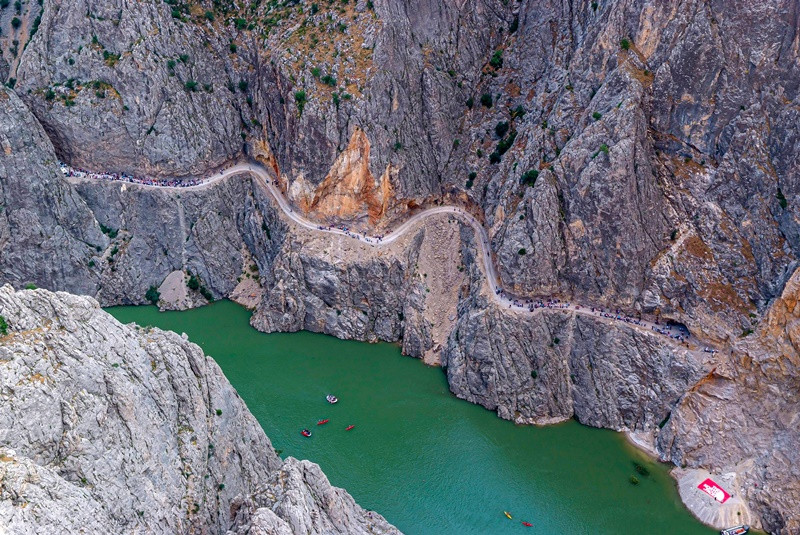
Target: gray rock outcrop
(110,428)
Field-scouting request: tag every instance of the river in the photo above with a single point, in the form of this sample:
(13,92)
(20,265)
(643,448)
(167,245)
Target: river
(429,462)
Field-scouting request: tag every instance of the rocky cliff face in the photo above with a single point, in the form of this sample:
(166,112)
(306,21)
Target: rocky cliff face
(744,415)
(108,428)
(114,241)
(655,131)
(47,231)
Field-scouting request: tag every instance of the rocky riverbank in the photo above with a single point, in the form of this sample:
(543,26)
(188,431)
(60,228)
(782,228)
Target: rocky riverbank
(110,428)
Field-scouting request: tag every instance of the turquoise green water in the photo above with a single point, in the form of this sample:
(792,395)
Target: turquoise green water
(428,462)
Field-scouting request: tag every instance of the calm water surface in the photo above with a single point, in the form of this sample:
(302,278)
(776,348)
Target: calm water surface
(430,463)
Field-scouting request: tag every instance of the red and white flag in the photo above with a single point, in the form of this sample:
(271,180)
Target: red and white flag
(715,491)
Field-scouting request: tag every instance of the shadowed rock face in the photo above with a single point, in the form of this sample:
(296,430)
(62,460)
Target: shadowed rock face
(661,151)
(109,428)
(45,226)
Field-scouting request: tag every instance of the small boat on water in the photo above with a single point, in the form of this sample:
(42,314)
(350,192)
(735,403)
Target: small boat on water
(527,524)
(331,399)
(349,427)
(325,421)
(305,433)
(736,530)
(507,514)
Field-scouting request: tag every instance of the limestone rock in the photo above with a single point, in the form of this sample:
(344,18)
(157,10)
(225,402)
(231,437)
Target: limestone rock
(116,428)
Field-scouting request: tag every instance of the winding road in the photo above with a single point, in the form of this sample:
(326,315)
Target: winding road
(505,300)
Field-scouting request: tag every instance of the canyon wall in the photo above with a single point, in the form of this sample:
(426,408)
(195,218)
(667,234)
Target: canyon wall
(110,428)
(630,153)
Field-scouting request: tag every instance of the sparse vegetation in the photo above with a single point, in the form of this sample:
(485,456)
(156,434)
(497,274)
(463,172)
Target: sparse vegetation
(109,58)
(625,44)
(522,251)
(501,128)
(152,295)
(486,100)
(471,179)
(529,177)
(300,99)
(597,116)
(108,231)
(497,59)
(506,142)
(16,23)
(193,283)
(3,326)
(781,199)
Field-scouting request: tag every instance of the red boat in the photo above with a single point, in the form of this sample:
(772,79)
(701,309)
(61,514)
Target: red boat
(527,524)
(325,421)
(305,433)
(349,427)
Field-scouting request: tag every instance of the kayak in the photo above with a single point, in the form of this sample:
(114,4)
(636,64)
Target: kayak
(527,524)
(325,421)
(507,514)
(349,427)
(305,433)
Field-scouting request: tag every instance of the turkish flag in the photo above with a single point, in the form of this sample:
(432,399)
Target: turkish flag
(715,491)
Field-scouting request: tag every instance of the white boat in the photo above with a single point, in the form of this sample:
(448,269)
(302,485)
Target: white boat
(331,399)
(736,530)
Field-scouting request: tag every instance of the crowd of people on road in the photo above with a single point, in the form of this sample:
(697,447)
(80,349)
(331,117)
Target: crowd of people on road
(349,233)
(122,177)
(675,332)
(678,333)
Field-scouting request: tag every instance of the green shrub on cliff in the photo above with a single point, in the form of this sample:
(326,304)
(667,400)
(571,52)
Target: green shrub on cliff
(3,326)
(300,99)
(529,177)
(193,283)
(781,198)
(152,295)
